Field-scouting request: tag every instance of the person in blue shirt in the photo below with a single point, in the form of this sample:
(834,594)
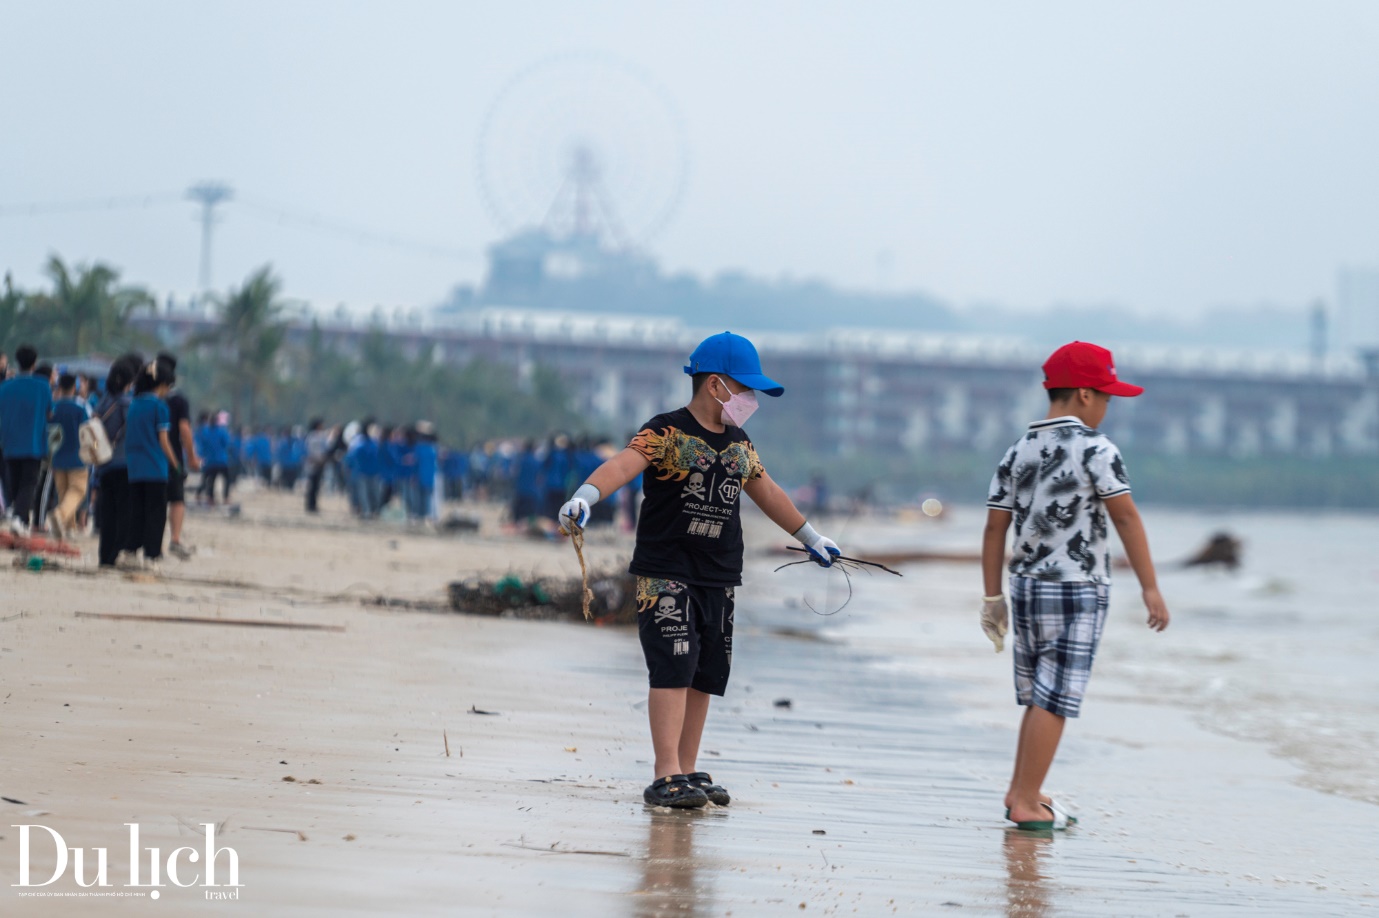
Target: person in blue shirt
(213,443)
(390,473)
(556,471)
(69,472)
(258,455)
(425,462)
(110,488)
(364,466)
(290,455)
(149,455)
(527,485)
(455,468)
(25,405)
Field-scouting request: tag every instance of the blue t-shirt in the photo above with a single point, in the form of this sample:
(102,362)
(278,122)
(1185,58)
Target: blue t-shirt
(25,403)
(69,414)
(557,469)
(147,416)
(215,447)
(426,463)
(529,475)
(362,458)
(259,449)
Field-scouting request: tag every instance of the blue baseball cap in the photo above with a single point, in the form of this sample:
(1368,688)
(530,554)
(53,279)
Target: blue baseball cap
(732,355)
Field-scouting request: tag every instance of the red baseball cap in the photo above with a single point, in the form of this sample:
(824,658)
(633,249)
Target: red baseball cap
(1085,366)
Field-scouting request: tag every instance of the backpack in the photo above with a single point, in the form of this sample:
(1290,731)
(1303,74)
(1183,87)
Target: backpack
(94,446)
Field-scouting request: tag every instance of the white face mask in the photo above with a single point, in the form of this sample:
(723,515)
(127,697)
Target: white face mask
(739,407)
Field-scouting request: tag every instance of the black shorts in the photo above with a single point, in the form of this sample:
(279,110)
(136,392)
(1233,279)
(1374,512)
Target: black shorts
(687,634)
(177,493)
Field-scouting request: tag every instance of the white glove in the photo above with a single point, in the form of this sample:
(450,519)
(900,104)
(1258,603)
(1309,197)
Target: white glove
(994,620)
(822,550)
(575,513)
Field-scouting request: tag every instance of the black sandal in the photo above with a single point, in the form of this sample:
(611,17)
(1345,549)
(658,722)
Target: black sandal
(704,781)
(674,790)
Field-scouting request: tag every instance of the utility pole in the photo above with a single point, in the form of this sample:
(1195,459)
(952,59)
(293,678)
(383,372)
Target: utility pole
(1319,342)
(208,195)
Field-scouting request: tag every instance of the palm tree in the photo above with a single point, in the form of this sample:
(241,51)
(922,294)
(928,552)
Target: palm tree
(251,334)
(88,308)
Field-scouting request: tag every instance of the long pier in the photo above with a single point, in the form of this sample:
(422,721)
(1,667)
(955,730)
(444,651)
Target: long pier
(865,390)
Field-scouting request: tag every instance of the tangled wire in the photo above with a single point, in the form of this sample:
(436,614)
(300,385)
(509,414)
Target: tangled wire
(844,564)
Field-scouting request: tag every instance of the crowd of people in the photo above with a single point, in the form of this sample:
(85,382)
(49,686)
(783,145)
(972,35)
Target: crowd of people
(112,456)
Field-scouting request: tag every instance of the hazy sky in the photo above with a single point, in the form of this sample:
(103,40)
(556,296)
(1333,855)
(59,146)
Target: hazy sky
(1163,156)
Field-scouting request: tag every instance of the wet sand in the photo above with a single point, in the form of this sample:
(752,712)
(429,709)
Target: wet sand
(877,791)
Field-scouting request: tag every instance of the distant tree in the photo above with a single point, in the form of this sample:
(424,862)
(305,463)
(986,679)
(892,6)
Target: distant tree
(87,310)
(11,306)
(248,342)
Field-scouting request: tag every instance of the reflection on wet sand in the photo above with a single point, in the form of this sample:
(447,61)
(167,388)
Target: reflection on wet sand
(1027,894)
(669,872)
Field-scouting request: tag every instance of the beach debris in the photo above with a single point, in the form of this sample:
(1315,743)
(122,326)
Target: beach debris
(1222,550)
(14,801)
(555,849)
(313,781)
(474,710)
(289,779)
(457,523)
(783,703)
(190,620)
(301,836)
(612,597)
(819,832)
(847,566)
(446,740)
(572,749)
(36,545)
(586,595)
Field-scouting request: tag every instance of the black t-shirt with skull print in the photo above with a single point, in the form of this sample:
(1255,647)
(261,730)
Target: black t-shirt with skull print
(690,528)
(1054,482)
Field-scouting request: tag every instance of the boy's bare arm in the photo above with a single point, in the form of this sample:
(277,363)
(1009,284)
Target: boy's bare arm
(775,503)
(994,550)
(164,442)
(618,471)
(1126,518)
(189,444)
(781,510)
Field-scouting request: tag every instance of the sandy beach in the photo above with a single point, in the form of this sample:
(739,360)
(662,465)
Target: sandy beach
(876,791)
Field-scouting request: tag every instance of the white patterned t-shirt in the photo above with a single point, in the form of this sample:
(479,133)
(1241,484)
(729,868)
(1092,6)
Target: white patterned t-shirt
(1054,481)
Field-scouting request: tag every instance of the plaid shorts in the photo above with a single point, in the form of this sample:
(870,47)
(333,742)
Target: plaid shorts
(1057,626)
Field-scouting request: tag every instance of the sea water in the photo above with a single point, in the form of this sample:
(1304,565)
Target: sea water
(1283,651)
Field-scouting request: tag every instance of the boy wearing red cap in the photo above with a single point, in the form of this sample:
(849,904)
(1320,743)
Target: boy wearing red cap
(1059,484)
(688,555)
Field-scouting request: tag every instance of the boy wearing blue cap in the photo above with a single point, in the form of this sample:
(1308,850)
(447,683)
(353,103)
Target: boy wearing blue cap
(688,555)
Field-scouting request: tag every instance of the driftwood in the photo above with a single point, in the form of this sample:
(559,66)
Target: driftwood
(188,620)
(1221,550)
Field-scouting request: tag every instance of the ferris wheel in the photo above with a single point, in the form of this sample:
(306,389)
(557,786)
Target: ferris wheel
(583,146)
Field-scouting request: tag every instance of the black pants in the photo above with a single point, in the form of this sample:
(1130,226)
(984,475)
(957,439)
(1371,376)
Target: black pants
(149,514)
(313,487)
(113,511)
(208,477)
(24,479)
